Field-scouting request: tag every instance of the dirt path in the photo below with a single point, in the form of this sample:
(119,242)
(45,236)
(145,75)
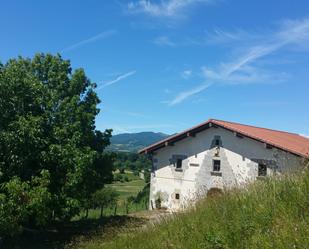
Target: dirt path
(153,217)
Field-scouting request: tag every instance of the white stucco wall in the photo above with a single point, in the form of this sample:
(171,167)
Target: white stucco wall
(238,166)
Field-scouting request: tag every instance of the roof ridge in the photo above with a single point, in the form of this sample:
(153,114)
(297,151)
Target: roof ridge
(292,133)
(282,140)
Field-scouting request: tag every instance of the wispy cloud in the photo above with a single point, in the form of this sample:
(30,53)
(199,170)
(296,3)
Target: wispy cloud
(186,94)
(92,39)
(167,8)
(241,70)
(164,41)
(219,36)
(117,79)
(186,74)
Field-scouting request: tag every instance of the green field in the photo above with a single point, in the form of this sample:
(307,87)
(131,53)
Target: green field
(125,190)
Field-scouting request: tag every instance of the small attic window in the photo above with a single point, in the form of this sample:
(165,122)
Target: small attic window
(217,142)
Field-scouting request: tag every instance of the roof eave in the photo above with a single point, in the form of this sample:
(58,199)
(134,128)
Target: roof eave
(202,127)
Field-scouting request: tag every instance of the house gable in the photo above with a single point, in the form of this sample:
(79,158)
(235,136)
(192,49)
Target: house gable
(286,141)
(214,158)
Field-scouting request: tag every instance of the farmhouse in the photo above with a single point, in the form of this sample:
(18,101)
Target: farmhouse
(215,155)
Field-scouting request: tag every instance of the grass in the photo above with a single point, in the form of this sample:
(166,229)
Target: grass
(269,214)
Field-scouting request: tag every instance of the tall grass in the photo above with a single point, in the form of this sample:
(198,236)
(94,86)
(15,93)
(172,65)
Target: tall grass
(273,213)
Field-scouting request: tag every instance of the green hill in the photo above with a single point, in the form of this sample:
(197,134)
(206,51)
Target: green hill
(271,213)
(132,142)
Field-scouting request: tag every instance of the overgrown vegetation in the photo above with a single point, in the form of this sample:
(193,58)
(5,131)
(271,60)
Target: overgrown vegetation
(273,213)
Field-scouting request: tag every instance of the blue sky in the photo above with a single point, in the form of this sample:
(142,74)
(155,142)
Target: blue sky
(168,65)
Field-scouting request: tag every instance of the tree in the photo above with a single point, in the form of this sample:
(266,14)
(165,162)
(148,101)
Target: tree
(50,151)
(105,197)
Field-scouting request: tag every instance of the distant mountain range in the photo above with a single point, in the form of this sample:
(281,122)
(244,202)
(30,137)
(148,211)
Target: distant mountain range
(132,142)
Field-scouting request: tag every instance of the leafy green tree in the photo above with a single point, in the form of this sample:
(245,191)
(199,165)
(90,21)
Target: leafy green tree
(105,197)
(51,155)
(25,202)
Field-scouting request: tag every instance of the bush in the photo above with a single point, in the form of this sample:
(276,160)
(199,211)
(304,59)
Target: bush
(118,177)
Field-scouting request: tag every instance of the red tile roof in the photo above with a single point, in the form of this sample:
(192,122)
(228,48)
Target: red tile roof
(286,141)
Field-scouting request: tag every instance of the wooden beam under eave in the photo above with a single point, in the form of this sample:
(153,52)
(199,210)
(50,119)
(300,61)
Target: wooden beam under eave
(213,125)
(236,134)
(190,134)
(169,143)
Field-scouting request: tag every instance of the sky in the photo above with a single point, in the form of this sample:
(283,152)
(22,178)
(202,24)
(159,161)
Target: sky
(165,66)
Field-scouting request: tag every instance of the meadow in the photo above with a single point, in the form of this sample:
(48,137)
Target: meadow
(271,213)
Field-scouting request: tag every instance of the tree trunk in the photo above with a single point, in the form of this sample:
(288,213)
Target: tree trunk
(101,215)
(87,212)
(115,210)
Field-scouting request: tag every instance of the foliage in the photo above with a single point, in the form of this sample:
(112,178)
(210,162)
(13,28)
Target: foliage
(105,197)
(134,187)
(51,156)
(25,202)
(121,178)
(268,214)
(142,197)
(132,162)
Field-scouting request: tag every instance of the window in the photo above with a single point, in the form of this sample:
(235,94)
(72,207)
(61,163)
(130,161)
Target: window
(216,165)
(217,142)
(262,170)
(194,164)
(177,196)
(178,163)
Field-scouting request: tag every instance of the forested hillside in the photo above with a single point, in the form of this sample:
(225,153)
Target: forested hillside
(132,142)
